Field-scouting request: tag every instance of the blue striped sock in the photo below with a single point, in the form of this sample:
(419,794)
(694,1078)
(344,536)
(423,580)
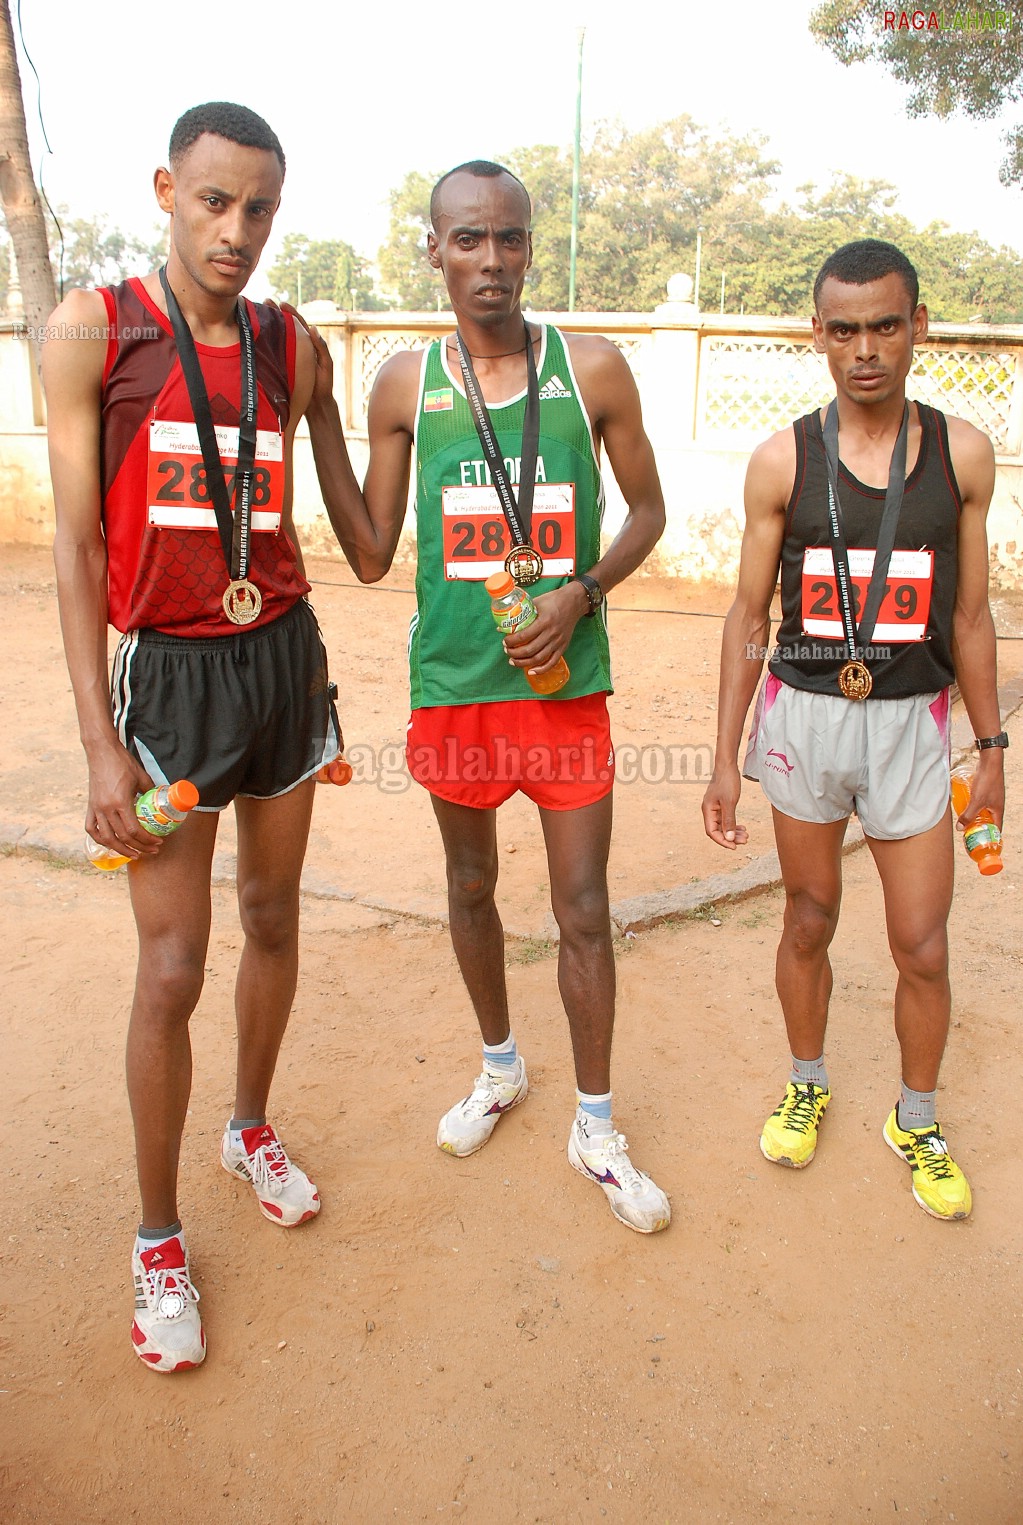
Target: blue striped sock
(502,1056)
(596,1110)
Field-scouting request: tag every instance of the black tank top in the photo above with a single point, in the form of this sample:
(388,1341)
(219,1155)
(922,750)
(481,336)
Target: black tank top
(910,653)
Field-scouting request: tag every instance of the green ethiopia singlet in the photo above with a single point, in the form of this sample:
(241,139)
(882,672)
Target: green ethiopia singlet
(455,652)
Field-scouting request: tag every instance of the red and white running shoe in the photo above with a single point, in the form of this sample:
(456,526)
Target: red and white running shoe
(286,1194)
(167,1332)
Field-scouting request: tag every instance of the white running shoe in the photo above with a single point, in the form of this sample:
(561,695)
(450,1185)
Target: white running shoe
(634,1198)
(286,1194)
(470,1123)
(167,1332)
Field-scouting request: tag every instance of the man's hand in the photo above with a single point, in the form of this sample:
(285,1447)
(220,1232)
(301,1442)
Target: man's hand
(719,804)
(541,644)
(323,386)
(115,778)
(987,791)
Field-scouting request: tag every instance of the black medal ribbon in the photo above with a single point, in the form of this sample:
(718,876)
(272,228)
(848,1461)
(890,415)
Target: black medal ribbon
(234,528)
(857,637)
(517,512)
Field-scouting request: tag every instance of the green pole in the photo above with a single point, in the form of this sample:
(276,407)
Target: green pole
(574,246)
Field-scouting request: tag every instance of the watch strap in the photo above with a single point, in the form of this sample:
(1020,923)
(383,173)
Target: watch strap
(594,592)
(984,742)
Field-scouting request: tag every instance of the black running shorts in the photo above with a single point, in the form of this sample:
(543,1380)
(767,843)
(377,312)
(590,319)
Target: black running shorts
(248,713)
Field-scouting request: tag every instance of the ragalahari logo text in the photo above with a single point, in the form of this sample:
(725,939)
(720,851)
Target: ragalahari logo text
(946,21)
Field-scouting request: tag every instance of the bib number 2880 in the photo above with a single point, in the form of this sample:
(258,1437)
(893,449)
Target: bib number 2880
(477,538)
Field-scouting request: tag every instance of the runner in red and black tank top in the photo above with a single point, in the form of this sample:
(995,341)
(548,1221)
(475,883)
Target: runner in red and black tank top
(166,568)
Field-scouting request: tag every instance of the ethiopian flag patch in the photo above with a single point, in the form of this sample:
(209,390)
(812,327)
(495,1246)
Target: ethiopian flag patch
(440,401)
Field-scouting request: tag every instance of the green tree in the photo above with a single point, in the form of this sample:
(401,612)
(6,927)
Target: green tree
(86,251)
(323,270)
(404,269)
(643,198)
(646,196)
(963,66)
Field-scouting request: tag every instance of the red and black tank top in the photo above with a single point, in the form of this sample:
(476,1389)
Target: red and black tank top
(911,647)
(166,568)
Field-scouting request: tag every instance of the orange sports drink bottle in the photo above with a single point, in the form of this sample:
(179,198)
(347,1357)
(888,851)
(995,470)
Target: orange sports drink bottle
(982,839)
(160,811)
(513,609)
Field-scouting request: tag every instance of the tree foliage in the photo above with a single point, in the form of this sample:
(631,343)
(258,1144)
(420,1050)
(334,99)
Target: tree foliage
(645,197)
(404,269)
(955,63)
(86,251)
(323,270)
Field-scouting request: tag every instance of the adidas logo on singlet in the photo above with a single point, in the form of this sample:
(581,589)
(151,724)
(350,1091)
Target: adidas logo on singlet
(553,388)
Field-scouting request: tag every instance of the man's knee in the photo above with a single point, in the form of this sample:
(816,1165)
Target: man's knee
(809,923)
(471,881)
(169,982)
(584,915)
(269,915)
(923,958)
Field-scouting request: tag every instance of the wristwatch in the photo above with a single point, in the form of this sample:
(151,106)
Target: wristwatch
(1001,740)
(594,592)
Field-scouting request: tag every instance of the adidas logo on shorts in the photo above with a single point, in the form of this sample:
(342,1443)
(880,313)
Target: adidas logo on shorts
(555,387)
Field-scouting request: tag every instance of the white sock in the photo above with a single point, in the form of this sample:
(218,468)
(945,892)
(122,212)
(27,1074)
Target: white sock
(594,1112)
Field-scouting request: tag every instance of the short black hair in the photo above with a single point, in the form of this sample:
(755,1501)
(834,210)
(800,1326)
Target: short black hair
(483,169)
(225,120)
(866,260)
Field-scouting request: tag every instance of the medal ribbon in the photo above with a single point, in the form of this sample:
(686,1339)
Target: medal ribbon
(859,636)
(519,514)
(234,528)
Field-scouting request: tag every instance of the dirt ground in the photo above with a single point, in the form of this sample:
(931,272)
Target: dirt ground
(479,1338)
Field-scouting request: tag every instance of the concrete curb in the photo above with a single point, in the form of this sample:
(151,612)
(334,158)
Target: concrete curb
(60,843)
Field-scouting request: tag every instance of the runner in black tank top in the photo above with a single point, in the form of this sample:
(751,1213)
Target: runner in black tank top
(838,730)
(928,523)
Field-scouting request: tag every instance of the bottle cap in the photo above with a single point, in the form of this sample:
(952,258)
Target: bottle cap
(183,795)
(500,584)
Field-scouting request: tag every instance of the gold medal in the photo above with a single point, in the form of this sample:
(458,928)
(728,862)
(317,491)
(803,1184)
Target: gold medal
(524,565)
(854,680)
(242,601)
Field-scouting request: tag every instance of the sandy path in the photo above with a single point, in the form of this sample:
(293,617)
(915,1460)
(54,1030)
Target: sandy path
(480,1338)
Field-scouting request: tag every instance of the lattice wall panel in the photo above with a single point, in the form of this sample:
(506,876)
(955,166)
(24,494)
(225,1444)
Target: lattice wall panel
(973,384)
(371,350)
(753,386)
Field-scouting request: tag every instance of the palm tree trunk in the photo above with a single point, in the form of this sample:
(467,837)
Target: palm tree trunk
(22,207)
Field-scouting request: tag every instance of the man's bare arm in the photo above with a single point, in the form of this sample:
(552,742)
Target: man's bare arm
(974,648)
(367,521)
(301,396)
(73,376)
(769,479)
(611,399)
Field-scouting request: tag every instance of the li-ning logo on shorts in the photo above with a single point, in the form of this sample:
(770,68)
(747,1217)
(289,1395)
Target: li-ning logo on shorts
(553,388)
(781,766)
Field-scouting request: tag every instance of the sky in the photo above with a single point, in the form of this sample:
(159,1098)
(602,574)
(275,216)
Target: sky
(359,100)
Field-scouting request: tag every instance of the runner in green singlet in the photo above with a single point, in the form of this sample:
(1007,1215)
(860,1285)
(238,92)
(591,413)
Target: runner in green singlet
(478,733)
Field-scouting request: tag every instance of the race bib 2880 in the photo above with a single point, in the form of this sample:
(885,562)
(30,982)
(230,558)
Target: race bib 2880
(477,538)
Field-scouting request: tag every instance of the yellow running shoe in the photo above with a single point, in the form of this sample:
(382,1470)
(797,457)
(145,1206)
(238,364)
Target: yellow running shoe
(790,1133)
(938,1184)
